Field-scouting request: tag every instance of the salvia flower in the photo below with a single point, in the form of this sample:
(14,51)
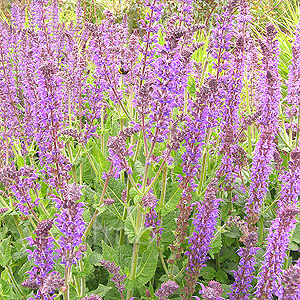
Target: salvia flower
(212,292)
(20,182)
(115,271)
(205,222)
(278,240)
(293,95)
(291,282)
(290,181)
(269,102)
(70,222)
(43,255)
(167,289)
(151,217)
(240,289)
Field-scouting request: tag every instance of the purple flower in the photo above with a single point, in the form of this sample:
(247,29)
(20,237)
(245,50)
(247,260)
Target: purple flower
(115,271)
(20,182)
(43,255)
(291,282)
(205,222)
(278,240)
(167,289)
(244,275)
(293,95)
(269,105)
(290,188)
(70,222)
(213,291)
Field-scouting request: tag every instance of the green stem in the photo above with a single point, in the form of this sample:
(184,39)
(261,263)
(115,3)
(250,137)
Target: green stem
(163,263)
(14,282)
(82,279)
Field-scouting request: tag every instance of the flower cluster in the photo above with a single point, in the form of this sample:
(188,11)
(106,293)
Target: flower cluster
(115,271)
(264,150)
(244,275)
(167,289)
(70,222)
(205,222)
(43,254)
(20,182)
(278,240)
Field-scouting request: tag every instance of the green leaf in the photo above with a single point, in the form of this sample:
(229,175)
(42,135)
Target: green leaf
(222,276)
(172,200)
(5,252)
(208,273)
(169,225)
(216,245)
(95,258)
(5,289)
(20,161)
(146,267)
(296,235)
(129,227)
(109,253)
(101,290)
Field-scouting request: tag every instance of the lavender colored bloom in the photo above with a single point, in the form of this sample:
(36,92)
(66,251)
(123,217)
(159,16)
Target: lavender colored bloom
(290,189)
(205,222)
(291,282)
(43,255)
(115,271)
(264,150)
(20,182)
(240,289)
(212,292)
(70,222)
(293,94)
(167,289)
(108,201)
(151,217)
(278,240)
(118,151)
(232,83)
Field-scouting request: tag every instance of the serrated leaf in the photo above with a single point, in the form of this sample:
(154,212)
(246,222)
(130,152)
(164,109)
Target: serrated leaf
(129,227)
(169,225)
(216,245)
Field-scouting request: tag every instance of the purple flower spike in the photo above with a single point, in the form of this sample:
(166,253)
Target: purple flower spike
(291,282)
(43,255)
(213,291)
(269,283)
(115,271)
(70,222)
(205,222)
(244,275)
(167,289)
